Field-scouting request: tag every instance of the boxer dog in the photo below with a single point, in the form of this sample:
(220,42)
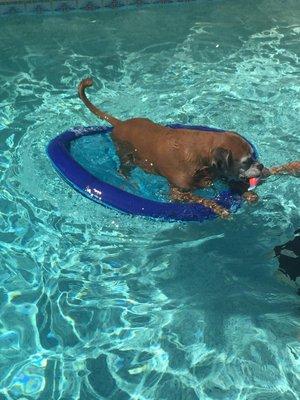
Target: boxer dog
(187,158)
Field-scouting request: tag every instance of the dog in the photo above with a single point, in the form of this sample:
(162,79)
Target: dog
(187,158)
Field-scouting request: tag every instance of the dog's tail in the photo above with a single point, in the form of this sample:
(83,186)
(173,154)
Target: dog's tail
(81,91)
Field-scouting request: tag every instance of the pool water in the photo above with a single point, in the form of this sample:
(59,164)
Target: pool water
(101,305)
(96,153)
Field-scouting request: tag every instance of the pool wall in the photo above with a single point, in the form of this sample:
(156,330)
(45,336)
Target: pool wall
(10,7)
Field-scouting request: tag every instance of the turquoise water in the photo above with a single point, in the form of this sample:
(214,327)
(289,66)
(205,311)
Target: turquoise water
(98,305)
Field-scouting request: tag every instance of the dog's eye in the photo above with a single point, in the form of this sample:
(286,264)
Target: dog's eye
(246,162)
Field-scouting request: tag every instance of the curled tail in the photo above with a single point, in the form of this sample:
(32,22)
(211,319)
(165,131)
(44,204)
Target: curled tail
(81,91)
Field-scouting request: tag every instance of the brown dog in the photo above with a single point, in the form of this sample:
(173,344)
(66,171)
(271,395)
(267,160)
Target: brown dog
(188,159)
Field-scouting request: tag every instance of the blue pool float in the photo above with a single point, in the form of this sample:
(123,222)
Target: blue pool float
(111,196)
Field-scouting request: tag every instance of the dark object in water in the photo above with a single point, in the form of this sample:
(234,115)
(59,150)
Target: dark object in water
(288,256)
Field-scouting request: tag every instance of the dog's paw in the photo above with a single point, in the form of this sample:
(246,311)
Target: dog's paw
(250,197)
(225,214)
(222,212)
(205,183)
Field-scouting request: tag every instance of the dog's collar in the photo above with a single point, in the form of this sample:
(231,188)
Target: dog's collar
(255,151)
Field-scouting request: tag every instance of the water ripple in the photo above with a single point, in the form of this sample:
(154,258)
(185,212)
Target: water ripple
(98,305)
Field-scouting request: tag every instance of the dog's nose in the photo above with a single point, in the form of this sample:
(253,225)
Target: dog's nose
(260,167)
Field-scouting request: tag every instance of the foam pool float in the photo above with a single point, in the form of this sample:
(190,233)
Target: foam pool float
(103,186)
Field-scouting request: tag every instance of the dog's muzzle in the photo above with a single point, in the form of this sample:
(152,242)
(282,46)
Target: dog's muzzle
(255,171)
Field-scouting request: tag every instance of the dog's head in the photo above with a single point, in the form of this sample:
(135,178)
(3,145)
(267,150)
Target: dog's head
(236,162)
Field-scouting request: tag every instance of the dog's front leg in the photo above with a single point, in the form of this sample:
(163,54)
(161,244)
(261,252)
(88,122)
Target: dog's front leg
(184,196)
(203,178)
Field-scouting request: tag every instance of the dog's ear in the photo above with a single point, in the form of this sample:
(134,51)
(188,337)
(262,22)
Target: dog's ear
(221,158)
